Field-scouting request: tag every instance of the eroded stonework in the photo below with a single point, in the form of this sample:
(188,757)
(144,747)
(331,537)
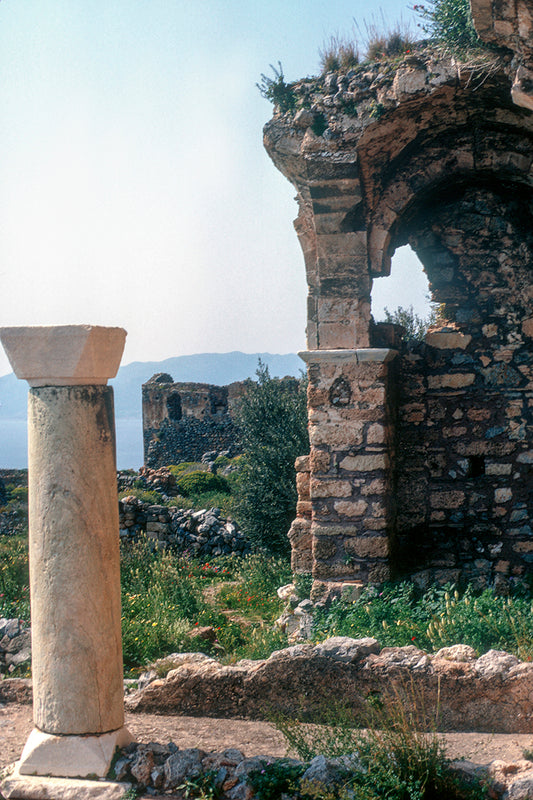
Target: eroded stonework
(421,457)
(182,421)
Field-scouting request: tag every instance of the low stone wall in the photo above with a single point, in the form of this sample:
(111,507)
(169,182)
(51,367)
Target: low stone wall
(491,693)
(202,533)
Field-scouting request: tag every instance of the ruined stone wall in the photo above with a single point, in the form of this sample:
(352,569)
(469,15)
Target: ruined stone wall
(421,456)
(464,461)
(182,421)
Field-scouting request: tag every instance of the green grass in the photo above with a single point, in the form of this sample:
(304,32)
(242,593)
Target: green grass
(165,597)
(14,577)
(440,617)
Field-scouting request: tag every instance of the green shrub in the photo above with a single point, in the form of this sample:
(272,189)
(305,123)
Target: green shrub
(272,421)
(275,778)
(415,326)
(398,755)
(18,494)
(276,90)
(303,583)
(178,470)
(149,496)
(199,482)
(450,23)
(14,578)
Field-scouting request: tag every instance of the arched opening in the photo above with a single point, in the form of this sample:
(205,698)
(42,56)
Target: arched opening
(463,398)
(406,287)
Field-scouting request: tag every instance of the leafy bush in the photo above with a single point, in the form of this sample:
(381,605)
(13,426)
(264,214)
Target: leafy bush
(149,496)
(397,755)
(450,23)
(179,470)
(198,482)
(275,779)
(415,326)
(18,494)
(303,583)
(272,421)
(276,90)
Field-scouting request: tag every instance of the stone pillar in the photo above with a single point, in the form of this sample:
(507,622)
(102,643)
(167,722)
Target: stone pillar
(74,547)
(351,431)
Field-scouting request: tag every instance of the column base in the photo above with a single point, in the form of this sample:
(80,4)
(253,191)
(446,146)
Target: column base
(71,756)
(31,787)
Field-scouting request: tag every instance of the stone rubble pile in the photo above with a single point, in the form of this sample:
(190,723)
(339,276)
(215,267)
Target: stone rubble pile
(157,768)
(15,644)
(160,480)
(163,768)
(204,533)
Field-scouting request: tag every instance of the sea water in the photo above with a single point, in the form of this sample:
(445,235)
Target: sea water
(14,443)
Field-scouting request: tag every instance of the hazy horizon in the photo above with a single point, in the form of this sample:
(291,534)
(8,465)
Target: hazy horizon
(134,186)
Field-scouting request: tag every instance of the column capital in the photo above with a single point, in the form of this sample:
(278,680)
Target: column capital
(359,356)
(64,355)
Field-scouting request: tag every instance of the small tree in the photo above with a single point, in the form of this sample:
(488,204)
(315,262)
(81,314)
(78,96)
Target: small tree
(415,326)
(450,23)
(272,420)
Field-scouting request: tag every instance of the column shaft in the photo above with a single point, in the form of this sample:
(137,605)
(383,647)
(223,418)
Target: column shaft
(74,561)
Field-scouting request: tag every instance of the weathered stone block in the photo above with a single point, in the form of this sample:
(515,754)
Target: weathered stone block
(368,463)
(454,380)
(326,487)
(367,547)
(345,508)
(451,499)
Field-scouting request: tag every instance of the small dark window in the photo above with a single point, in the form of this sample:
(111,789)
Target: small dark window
(476,466)
(174,406)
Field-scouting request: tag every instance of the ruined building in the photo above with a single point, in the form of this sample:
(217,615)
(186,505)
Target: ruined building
(421,456)
(182,421)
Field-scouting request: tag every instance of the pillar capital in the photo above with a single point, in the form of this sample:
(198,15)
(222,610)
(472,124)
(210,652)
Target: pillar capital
(359,356)
(64,355)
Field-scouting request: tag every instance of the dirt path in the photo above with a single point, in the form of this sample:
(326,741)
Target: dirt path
(253,738)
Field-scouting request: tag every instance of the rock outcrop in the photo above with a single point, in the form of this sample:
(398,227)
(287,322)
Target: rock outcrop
(452,689)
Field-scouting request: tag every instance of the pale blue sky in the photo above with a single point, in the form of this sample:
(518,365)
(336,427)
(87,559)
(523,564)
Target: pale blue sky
(134,188)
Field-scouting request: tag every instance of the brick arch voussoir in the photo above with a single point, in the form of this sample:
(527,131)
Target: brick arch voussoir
(498,156)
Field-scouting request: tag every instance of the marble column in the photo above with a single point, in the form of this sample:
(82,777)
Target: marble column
(77,671)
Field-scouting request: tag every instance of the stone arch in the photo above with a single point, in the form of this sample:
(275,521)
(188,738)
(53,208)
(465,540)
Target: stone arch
(472,154)
(424,447)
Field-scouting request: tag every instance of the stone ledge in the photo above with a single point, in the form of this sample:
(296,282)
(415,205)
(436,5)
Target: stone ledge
(360,356)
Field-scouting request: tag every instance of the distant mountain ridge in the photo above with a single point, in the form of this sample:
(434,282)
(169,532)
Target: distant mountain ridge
(216,368)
